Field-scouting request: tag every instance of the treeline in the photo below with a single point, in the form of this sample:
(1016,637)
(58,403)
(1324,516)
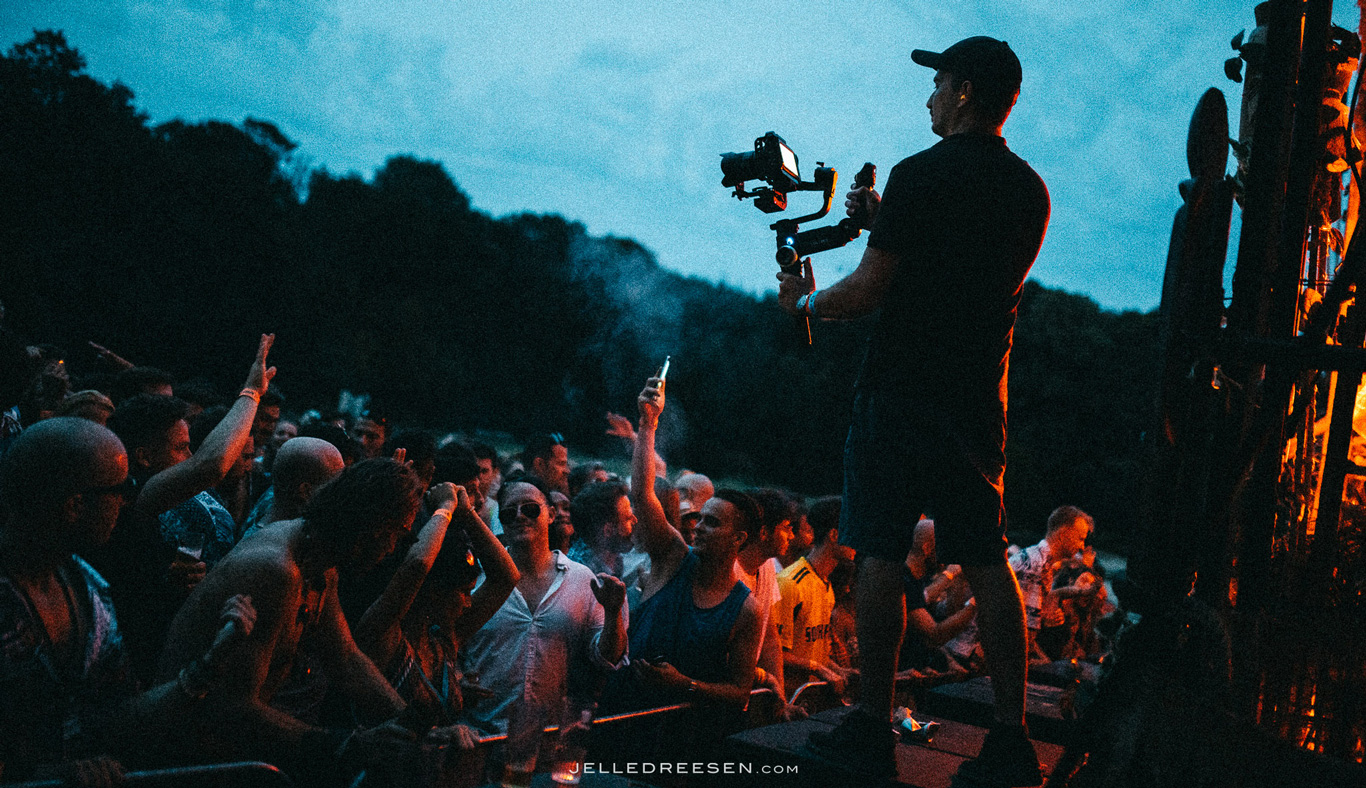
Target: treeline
(176,244)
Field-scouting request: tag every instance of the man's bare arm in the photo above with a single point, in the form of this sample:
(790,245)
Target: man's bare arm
(356,676)
(937,633)
(611,641)
(742,651)
(148,717)
(657,537)
(771,654)
(240,712)
(220,449)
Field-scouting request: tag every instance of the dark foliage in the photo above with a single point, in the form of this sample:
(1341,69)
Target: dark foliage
(177,244)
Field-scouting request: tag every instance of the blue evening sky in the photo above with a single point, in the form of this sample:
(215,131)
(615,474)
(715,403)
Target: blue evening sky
(613,113)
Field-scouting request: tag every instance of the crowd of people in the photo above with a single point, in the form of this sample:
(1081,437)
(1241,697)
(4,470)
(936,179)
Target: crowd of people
(190,579)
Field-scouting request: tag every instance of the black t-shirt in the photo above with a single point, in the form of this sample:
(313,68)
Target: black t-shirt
(966,218)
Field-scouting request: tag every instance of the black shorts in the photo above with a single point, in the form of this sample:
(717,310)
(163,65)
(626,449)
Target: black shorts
(904,458)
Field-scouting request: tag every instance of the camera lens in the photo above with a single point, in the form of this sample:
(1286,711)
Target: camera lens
(738,168)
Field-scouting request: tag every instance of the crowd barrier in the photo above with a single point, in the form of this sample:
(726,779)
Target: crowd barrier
(252,773)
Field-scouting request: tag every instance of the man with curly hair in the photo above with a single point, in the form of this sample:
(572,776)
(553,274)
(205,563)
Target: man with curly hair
(290,571)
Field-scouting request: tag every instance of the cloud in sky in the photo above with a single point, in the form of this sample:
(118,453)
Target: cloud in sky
(613,114)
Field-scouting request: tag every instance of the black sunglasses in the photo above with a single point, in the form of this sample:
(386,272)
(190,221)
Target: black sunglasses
(530,510)
(125,489)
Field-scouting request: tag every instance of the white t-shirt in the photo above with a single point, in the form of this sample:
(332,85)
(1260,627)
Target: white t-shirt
(763,584)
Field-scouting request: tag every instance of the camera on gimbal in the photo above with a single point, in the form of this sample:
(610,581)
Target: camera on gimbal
(771,161)
(774,163)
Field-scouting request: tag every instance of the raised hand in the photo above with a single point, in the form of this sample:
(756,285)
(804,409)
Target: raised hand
(444,496)
(621,427)
(260,375)
(651,400)
(464,503)
(609,591)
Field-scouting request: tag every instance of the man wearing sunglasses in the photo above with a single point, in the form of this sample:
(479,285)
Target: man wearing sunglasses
(66,690)
(559,615)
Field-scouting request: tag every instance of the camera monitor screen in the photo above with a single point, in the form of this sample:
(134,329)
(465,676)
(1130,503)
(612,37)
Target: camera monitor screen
(789,161)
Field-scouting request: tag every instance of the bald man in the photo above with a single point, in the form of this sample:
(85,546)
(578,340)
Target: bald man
(66,688)
(694,489)
(301,466)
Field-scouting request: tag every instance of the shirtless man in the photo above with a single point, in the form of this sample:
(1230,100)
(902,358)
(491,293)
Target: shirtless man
(290,570)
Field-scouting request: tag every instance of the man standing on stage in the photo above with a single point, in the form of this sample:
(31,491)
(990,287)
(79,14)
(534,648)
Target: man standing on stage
(952,240)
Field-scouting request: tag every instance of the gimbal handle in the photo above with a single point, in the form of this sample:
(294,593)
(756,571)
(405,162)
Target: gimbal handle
(794,245)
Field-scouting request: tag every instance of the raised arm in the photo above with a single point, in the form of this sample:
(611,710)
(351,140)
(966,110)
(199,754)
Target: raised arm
(220,449)
(664,544)
(500,573)
(376,632)
(610,642)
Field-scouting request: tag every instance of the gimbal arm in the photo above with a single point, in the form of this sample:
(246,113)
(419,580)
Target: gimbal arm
(794,245)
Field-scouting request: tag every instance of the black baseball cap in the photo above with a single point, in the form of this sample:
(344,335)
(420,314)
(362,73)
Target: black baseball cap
(986,62)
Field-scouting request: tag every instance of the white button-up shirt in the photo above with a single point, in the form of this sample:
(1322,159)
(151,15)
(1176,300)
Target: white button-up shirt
(524,654)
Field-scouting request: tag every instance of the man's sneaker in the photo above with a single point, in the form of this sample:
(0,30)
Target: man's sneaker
(861,743)
(1007,760)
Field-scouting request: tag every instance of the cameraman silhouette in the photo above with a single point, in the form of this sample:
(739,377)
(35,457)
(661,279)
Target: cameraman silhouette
(953,237)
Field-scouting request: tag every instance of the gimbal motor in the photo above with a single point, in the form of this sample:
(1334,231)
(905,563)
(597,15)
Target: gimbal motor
(774,163)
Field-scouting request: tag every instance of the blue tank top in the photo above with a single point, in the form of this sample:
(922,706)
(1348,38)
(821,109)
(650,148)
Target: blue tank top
(670,627)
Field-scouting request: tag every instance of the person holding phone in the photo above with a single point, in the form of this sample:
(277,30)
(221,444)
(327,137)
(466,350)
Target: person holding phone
(695,626)
(952,240)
